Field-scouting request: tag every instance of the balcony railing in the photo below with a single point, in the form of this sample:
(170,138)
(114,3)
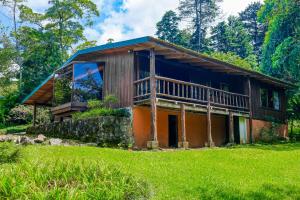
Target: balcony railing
(172,89)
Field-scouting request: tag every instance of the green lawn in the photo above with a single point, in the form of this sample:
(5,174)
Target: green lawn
(249,172)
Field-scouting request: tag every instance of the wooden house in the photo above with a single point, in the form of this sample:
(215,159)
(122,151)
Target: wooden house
(178,97)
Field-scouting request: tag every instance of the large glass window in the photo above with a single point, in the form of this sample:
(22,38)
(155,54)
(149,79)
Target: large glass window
(276,100)
(63,87)
(264,97)
(88,82)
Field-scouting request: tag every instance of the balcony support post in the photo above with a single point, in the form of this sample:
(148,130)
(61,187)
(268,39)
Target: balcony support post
(153,144)
(209,136)
(183,144)
(250,108)
(34,114)
(231,130)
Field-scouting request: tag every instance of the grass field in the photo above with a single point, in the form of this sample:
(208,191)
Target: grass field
(249,172)
(13,129)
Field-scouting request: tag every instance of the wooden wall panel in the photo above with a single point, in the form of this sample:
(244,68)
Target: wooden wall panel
(118,75)
(267,113)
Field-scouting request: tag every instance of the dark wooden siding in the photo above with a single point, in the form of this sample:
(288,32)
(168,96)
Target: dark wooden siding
(267,113)
(118,75)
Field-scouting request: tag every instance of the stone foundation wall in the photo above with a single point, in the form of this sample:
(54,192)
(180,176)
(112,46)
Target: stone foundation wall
(101,130)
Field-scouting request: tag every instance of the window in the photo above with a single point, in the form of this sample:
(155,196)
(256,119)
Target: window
(264,97)
(88,82)
(62,87)
(224,86)
(276,100)
(269,99)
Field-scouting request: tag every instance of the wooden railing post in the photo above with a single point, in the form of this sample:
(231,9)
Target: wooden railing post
(183,144)
(153,144)
(250,109)
(209,137)
(231,133)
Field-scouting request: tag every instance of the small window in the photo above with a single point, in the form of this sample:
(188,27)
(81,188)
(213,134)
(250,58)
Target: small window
(224,86)
(264,97)
(276,100)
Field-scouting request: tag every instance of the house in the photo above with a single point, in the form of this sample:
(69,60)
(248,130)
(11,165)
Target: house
(178,97)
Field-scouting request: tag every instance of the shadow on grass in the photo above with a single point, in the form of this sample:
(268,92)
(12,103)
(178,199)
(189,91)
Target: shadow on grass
(271,147)
(265,192)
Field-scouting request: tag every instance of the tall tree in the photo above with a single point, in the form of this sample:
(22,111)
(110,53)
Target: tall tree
(50,37)
(231,37)
(168,29)
(13,6)
(255,28)
(202,13)
(281,47)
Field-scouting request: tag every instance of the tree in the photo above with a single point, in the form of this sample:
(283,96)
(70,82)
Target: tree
(202,13)
(281,47)
(14,5)
(234,59)
(167,28)
(50,37)
(231,37)
(253,26)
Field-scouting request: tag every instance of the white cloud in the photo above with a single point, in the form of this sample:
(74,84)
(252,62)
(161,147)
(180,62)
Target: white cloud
(141,16)
(38,5)
(138,19)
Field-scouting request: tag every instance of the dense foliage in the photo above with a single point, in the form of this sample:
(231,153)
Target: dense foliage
(98,108)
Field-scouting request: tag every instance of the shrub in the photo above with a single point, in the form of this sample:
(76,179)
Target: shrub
(74,179)
(96,112)
(19,115)
(9,152)
(270,135)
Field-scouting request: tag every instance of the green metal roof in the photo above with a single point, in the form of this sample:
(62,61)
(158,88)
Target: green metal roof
(89,50)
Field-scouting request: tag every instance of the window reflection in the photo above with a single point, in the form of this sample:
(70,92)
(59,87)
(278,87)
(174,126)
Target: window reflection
(62,87)
(88,82)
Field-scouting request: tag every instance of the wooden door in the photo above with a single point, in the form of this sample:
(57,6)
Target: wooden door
(173,131)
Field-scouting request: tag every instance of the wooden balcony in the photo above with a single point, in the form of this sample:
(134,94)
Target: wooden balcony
(67,108)
(173,90)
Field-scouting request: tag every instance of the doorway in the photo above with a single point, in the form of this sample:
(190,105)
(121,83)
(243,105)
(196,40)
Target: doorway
(173,131)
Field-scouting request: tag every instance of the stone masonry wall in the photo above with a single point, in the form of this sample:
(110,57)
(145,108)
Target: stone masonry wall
(101,130)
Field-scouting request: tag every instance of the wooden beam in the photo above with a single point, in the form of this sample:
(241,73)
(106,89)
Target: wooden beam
(153,97)
(231,130)
(209,137)
(250,109)
(183,129)
(34,114)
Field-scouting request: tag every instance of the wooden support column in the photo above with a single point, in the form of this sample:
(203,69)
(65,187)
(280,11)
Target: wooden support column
(231,130)
(34,114)
(183,144)
(250,109)
(153,144)
(209,137)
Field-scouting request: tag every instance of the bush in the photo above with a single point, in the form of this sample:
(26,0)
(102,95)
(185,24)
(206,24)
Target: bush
(96,112)
(270,135)
(75,179)
(98,108)
(9,152)
(19,115)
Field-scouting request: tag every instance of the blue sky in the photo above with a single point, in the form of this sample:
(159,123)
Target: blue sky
(125,19)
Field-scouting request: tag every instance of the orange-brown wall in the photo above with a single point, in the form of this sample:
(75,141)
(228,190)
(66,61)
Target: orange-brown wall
(259,125)
(195,127)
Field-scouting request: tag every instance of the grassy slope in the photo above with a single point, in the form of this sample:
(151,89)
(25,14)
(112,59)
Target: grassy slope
(260,172)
